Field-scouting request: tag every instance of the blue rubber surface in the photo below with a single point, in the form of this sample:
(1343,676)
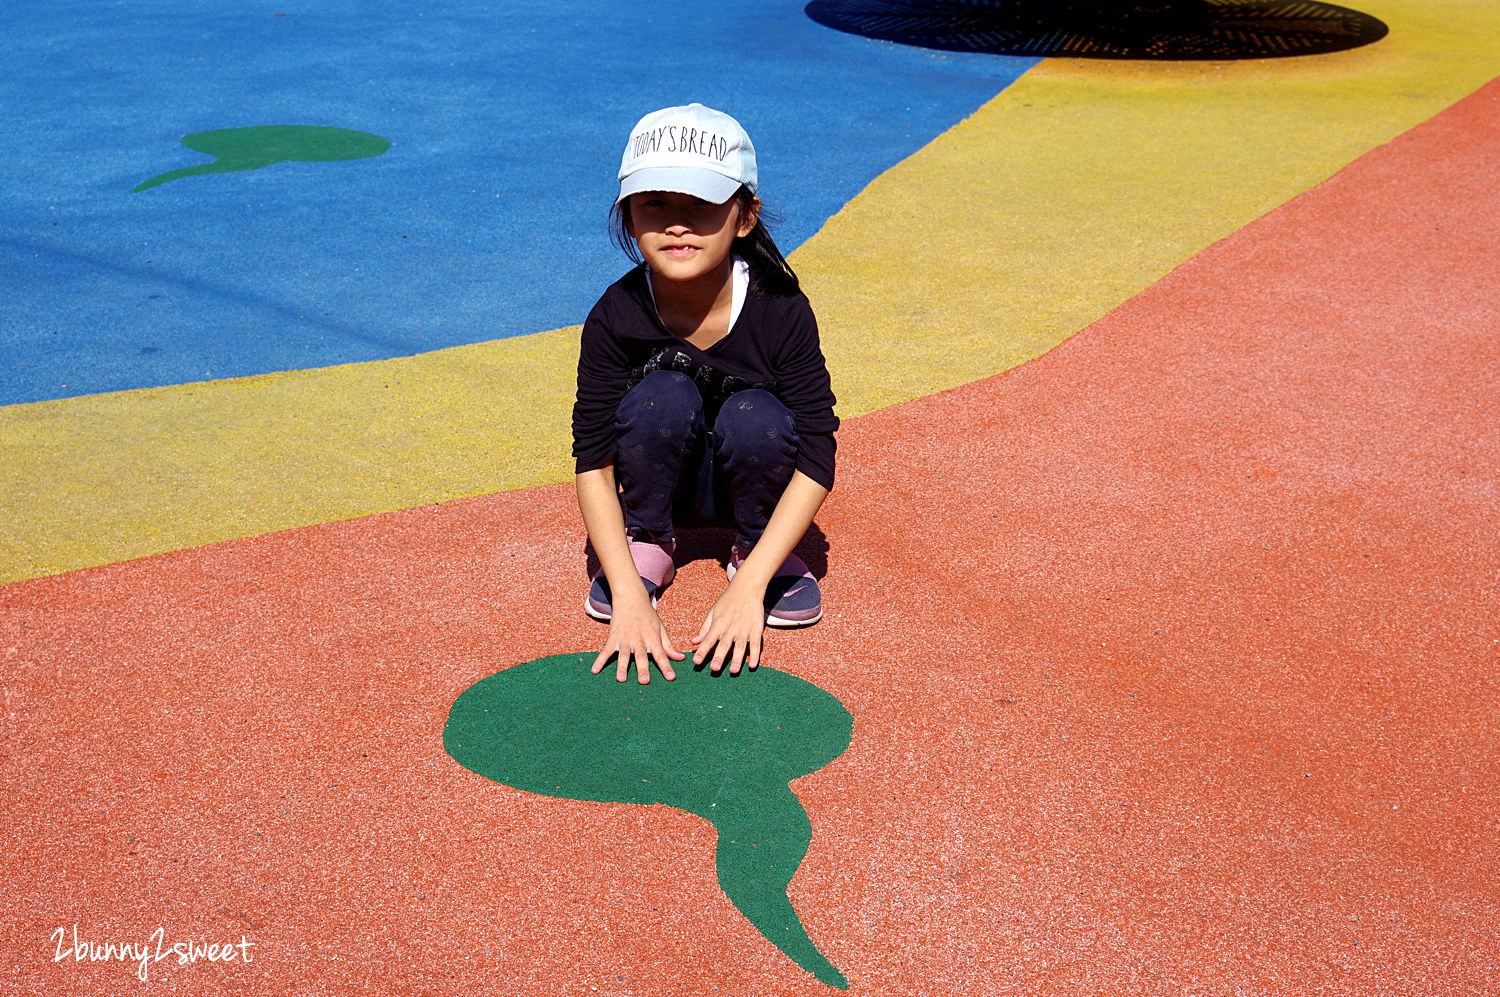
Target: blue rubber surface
(485,219)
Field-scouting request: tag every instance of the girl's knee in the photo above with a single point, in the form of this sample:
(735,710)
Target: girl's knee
(664,405)
(756,422)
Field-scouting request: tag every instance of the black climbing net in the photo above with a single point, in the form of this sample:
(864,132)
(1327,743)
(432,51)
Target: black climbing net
(1107,29)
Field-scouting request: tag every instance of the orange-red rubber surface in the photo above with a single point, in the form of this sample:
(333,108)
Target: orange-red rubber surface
(1171,656)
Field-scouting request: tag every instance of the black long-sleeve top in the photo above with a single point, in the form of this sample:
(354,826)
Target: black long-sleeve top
(773,345)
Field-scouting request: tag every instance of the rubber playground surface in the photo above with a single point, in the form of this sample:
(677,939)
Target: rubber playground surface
(1161,575)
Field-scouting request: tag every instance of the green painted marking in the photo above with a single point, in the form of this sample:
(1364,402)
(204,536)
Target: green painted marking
(261,145)
(722,747)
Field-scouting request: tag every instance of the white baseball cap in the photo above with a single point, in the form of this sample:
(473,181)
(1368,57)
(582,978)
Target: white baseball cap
(688,150)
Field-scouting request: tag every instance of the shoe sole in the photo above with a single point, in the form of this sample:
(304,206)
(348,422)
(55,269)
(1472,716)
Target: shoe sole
(783,623)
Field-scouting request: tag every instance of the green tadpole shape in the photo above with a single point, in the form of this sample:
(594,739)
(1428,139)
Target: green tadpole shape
(261,145)
(722,747)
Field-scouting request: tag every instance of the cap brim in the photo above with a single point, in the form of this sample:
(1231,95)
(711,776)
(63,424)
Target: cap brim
(713,187)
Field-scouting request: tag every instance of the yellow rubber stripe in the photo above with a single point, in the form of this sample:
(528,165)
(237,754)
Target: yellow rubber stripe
(110,477)
(1069,193)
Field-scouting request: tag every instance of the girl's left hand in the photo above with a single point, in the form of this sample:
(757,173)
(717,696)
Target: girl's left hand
(732,629)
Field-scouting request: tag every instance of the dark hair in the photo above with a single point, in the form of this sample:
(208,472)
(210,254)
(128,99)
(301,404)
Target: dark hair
(770,273)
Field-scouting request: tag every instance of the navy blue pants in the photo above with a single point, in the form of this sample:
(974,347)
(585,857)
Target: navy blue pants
(673,471)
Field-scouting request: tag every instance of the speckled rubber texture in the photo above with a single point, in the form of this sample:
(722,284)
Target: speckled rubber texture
(1206,702)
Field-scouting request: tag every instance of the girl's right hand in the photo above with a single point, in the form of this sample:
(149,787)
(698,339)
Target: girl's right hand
(637,633)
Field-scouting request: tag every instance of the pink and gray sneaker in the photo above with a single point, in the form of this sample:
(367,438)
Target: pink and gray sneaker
(652,560)
(793,598)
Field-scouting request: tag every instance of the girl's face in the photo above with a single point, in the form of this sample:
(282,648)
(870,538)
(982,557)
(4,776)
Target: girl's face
(684,238)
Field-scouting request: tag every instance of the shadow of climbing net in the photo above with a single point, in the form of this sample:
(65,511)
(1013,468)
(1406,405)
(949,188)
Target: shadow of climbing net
(1108,29)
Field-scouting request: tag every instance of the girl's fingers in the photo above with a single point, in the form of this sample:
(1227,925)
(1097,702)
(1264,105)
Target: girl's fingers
(733,639)
(727,651)
(635,647)
(708,622)
(666,668)
(721,644)
(665,655)
(752,651)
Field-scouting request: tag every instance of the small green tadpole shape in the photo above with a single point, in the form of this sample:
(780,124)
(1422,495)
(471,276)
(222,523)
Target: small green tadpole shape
(261,145)
(720,746)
